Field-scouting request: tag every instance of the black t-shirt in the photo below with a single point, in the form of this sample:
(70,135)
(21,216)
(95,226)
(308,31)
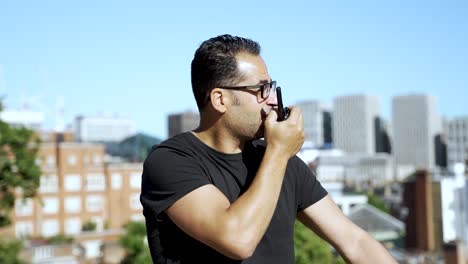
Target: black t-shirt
(184,163)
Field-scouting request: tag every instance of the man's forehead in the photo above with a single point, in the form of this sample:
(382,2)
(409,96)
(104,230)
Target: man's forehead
(252,66)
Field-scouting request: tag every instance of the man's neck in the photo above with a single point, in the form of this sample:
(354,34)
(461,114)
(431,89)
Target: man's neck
(219,139)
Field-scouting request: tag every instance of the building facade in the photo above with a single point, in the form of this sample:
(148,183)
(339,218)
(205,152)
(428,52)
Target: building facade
(456,135)
(312,112)
(182,122)
(102,128)
(416,124)
(78,186)
(23,118)
(354,118)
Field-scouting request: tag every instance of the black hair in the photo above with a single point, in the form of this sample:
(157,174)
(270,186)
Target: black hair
(215,64)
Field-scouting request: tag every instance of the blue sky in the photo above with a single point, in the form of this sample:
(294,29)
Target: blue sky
(133,58)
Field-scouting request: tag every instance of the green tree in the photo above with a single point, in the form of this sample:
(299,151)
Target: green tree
(19,175)
(18,169)
(378,203)
(89,225)
(60,239)
(9,251)
(309,248)
(134,242)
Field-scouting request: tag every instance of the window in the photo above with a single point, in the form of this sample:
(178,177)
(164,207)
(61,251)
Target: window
(50,228)
(72,182)
(24,207)
(51,205)
(135,180)
(49,183)
(95,182)
(72,226)
(135,201)
(73,204)
(116,181)
(50,160)
(23,229)
(72,160)
(94,203)
(99,223)
(97,159)
(92,248)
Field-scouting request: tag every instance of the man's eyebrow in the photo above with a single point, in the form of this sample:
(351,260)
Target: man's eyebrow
(264,81)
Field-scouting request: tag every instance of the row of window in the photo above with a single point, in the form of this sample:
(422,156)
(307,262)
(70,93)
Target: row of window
(71,160)
(72,204)
(51,227)
(93,182)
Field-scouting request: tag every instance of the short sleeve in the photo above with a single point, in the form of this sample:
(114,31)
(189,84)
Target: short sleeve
(308,188)
(168,175)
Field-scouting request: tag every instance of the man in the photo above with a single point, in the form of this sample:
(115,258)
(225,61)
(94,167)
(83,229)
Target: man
(219,195)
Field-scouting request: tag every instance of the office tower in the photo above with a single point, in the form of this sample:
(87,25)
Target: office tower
(416,124)
(102,128)
(182,122)
(456,132)
(312,112)
(354,123)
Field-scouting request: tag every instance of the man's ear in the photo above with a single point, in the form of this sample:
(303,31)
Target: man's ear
(218,100)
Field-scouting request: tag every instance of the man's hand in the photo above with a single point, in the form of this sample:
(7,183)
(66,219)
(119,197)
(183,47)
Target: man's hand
(285,136)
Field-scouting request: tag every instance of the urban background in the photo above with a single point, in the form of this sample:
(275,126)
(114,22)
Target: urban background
(87,89)
(403,180)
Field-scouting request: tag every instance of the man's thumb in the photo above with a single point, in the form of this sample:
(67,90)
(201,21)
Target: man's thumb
(272,117)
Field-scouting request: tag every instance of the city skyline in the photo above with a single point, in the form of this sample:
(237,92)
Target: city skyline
(134,60)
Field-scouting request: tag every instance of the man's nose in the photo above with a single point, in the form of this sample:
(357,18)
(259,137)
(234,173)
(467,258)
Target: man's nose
(272,98)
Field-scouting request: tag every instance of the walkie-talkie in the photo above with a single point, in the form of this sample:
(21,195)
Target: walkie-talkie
(283,112)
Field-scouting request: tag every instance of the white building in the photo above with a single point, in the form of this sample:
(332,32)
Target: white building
(344,201)
(415,126)
(334,165)
(102,128)
(454,194)
(354,120)
(376,169)
(312,112)
(456,132)
(24,118)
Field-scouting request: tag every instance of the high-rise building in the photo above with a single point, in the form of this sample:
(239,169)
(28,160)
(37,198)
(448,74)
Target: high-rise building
(456,132)
(416,124)
(354,118)
(312,112)
(102,128)
(182,122)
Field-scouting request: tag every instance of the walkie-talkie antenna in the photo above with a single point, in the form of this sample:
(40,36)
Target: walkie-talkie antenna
(283,112)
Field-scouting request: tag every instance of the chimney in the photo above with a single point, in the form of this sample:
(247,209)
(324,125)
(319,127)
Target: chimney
(419,222)
(453,253)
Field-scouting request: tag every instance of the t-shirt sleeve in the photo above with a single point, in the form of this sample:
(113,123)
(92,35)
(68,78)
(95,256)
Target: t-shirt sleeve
(168,175)
(309,189)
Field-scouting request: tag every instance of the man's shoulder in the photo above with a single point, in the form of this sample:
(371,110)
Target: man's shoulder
(182,144)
